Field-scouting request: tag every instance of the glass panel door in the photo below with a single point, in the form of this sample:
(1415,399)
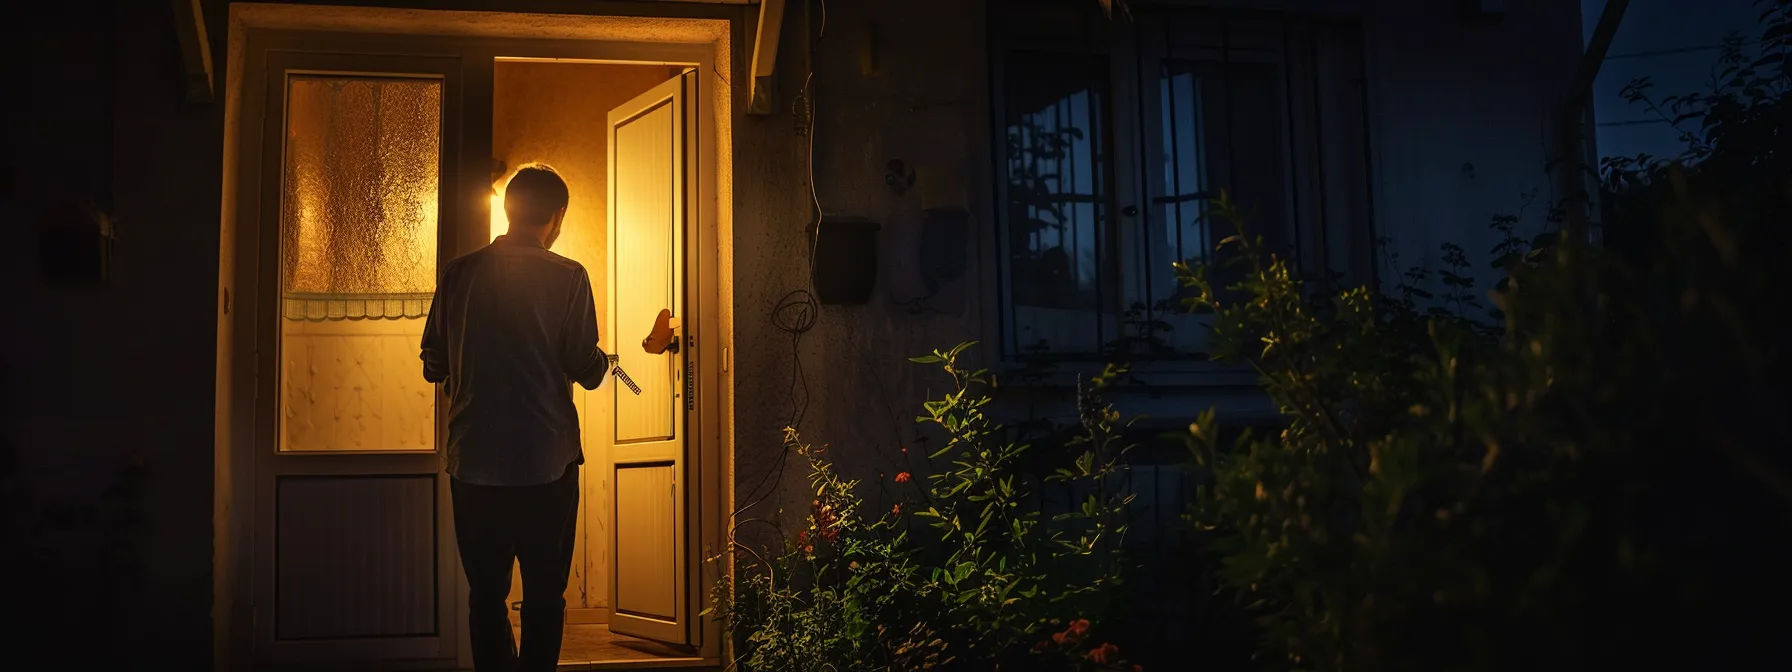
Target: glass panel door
(354,550)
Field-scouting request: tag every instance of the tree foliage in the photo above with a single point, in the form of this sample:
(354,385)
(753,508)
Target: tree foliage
(1597,476)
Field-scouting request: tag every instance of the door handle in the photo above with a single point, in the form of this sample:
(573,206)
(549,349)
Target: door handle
(664,337)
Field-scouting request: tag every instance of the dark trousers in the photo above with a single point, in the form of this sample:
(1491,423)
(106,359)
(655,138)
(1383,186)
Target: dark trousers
(500,527)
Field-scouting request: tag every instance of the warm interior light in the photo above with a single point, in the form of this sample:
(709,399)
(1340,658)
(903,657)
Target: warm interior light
(499,223)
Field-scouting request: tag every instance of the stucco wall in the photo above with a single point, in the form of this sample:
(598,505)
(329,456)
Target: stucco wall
(854,391)
(103,374)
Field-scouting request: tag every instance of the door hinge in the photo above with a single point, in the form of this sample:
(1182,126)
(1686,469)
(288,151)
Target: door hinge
(690,385)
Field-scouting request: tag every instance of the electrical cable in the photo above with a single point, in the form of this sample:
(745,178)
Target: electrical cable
(798,311)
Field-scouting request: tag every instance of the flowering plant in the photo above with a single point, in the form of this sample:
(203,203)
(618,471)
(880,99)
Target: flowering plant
(983,585)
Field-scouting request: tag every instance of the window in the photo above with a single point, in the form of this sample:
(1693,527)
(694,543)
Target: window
(1116,137)
(359,204)
(1060,191)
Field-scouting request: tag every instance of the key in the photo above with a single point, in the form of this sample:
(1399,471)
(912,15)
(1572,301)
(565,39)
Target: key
(623,375)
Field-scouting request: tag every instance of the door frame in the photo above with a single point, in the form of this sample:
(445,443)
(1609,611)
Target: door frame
(255,30)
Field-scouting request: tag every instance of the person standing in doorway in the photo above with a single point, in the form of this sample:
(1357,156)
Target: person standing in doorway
(511,328)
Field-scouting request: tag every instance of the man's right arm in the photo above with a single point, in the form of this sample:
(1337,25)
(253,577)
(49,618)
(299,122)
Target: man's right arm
(582,359)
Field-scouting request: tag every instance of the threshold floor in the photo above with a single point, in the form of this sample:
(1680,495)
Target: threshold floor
(594,647)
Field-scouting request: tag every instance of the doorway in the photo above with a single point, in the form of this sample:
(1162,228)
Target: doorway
(359,162)
(574,116)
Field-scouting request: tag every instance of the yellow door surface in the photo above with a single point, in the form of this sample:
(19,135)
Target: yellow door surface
(651,142)
(353,544)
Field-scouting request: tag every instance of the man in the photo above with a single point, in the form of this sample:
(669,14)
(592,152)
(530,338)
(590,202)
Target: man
(511,327)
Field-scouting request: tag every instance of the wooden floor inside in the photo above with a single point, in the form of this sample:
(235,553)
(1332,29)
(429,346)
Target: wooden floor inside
(594,647)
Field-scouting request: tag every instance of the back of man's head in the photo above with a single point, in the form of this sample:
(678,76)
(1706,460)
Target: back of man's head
(535,194)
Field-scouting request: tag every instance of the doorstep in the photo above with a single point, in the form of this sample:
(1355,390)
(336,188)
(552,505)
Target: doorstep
(669,664)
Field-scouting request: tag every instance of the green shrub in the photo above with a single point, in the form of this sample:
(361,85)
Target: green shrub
(988,584)
(1599,479)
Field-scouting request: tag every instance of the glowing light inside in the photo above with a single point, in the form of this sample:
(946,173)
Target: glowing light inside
(499,223)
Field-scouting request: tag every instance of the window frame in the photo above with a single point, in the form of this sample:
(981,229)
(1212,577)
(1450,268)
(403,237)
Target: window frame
(1136,49)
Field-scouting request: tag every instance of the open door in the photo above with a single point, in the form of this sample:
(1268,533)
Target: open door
(652,215)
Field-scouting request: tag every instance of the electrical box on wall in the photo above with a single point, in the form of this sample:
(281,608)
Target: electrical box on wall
(845,268)
(75,245)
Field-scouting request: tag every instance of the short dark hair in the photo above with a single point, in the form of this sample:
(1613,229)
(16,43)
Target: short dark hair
(533,195)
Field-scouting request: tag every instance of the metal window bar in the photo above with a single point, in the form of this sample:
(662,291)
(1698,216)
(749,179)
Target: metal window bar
(1179,188)
(1079,214)
(1293,137)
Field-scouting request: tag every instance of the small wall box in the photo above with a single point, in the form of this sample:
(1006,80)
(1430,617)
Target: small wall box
(845,269)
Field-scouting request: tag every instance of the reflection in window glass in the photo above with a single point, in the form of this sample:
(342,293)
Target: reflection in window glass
(358,216)
(1222,128)
(1059,190)
(1185,185)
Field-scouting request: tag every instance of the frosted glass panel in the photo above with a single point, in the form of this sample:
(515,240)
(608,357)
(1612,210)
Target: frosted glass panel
(361,170)
(359,193)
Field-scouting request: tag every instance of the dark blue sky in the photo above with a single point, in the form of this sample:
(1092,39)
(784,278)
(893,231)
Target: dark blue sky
(1675,42)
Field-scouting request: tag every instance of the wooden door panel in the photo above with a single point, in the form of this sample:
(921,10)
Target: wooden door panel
(645,230)
(649,215)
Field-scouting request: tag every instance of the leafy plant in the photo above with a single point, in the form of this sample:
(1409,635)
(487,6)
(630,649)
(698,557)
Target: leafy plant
(1599,479)
(989,584)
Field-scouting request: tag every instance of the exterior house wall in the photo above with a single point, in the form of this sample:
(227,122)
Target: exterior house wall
(1465,119)
(1446,93)
(129,370)
(96,378)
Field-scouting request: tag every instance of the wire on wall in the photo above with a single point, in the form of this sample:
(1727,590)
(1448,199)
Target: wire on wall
(797,312)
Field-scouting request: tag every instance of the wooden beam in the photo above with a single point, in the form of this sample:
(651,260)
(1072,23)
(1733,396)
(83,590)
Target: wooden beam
(195,49)
(765,57)
(1575,192)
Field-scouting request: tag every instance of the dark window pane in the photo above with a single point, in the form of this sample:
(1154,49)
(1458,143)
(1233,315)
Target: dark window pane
(1222,128)
(1059,183)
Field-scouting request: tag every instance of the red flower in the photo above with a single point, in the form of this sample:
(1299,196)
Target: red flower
(1058,637)
(902,477)
(1079,626)
(897,509)
(1102,653)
